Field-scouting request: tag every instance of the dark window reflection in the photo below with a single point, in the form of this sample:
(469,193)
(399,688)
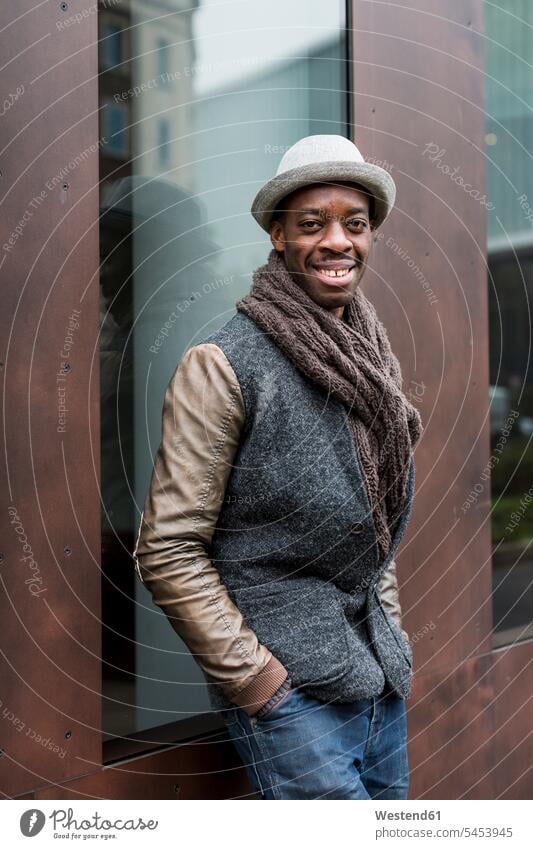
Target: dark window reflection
(198,101)
(509,141)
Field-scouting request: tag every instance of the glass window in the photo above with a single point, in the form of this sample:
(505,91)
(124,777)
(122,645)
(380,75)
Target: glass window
(163,54)
(113,122)
(163,139)
(509,141)
(247,80)
(111,45)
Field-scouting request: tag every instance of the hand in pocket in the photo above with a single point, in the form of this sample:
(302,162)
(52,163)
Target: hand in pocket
(269,709)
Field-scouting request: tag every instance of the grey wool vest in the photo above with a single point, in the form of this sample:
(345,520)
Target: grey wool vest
(295,542)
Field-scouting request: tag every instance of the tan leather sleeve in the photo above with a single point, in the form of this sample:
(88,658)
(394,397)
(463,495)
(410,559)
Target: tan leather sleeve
(390,595)
(203,415)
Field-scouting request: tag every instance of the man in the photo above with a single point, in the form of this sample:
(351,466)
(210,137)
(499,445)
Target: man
(281,489)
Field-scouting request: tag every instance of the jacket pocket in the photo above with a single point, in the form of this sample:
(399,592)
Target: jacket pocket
(302,622)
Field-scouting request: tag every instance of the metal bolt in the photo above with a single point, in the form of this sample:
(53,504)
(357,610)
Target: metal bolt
(68,735)
(67,551)
(177,789)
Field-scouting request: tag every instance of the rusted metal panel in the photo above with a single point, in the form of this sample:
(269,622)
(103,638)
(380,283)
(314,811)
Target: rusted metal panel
(470,728)
(512,745)
(418,76)
(200,770)
(51,676)
(418,111)
(450,721)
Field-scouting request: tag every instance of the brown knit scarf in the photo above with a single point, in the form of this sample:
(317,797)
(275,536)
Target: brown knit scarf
(353,361)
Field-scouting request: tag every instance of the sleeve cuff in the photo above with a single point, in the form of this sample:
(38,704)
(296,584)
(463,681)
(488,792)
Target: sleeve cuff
(258,692)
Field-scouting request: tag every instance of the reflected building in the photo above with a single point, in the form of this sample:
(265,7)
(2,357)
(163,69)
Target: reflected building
(509,141)
(197,106)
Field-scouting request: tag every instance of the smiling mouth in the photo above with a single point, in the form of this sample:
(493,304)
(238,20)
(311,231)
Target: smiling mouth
(342,272)
(334,275)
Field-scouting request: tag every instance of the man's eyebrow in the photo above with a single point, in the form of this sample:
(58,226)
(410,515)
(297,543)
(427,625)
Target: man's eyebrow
(351,211)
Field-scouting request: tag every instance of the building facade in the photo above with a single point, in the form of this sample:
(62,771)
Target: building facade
(136,134)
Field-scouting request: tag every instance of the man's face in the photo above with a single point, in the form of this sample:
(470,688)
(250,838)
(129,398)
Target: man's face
(325,235)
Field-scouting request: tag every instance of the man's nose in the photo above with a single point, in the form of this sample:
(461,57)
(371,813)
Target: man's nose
(335,236)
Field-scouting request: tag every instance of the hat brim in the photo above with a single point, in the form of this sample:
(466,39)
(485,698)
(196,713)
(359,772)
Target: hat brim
(376,180)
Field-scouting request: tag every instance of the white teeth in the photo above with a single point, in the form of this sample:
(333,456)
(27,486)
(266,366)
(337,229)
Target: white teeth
(332,273)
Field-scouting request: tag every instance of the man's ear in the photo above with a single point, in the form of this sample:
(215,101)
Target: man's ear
(277,236)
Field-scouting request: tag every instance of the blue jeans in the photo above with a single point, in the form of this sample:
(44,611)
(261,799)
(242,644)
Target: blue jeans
(306,749)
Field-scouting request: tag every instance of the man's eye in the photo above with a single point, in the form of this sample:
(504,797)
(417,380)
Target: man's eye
(359,223)
(308,225)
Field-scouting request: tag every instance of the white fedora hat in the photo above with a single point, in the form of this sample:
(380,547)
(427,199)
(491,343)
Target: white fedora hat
(323,159)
